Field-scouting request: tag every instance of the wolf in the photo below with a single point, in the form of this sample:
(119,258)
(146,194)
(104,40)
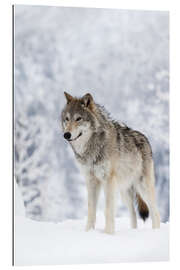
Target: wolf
(111,156)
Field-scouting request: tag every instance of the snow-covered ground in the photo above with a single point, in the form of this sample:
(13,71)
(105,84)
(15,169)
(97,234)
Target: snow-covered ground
(68,243)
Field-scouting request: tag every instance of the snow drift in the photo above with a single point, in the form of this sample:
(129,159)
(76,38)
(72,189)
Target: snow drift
(38,243)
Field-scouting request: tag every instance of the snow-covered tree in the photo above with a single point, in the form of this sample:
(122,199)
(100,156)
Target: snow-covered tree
(31,170)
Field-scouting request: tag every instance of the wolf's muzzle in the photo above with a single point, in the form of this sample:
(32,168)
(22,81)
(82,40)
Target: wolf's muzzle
(67,136)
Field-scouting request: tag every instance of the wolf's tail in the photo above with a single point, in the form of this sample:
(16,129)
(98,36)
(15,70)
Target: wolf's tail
(142,208)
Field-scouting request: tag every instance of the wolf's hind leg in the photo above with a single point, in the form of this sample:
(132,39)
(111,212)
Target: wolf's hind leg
(93,187)
(128,198)
(146,190)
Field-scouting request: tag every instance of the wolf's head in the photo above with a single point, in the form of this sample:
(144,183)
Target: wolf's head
(78,120)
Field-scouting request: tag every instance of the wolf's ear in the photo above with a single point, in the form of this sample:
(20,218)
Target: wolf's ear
(87,100)
(69,98)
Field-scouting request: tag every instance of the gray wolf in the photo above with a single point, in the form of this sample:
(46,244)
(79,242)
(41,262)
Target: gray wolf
(112,156)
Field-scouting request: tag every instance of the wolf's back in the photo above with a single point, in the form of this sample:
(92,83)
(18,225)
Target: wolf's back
(131,140)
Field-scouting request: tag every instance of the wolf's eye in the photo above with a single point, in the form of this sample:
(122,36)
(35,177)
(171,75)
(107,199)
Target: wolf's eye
(79,118)
(67,119)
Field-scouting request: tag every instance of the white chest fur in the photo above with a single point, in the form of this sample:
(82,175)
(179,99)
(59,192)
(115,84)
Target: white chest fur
(100,171)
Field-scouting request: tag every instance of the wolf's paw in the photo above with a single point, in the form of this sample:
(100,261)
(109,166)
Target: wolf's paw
(109,230)
(156,226)
(156,222)
(89,227)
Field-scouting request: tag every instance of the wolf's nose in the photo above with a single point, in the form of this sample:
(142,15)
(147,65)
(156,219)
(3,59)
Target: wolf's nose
(67,135)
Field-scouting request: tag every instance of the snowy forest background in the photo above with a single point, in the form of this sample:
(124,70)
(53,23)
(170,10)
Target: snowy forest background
(122,58)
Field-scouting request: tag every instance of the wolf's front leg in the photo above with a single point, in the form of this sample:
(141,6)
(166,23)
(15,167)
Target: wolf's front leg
(110,195)
(93,188)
